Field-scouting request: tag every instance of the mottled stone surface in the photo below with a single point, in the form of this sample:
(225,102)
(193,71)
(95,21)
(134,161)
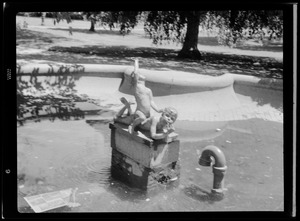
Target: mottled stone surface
(142,162)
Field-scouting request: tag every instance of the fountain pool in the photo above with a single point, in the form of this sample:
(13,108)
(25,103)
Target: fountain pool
(246,123)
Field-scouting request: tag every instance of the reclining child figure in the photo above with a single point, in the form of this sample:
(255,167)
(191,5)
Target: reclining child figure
(159,127)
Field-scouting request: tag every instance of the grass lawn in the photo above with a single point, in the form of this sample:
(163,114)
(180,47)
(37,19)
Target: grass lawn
(53,43)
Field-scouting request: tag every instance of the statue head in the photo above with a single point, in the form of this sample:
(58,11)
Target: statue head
(170,114)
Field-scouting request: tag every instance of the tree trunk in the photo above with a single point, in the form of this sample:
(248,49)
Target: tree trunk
(92,26)
(190,48)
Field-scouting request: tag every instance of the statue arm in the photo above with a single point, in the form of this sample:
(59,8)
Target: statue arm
(153,105)
(153,130)
(135,74)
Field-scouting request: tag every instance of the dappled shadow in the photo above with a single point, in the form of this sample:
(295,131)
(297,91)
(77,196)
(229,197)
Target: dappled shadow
(252,45)
(121,51)
(87,31)
(150,57)
(49,97)
(156,58)
(242,64)
(273,48)
(29,37)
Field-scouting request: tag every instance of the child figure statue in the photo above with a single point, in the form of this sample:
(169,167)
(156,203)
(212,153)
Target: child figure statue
(159,127)
(143,97)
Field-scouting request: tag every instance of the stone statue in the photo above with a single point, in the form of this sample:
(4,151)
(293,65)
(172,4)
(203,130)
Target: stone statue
(159,127)
(143,97)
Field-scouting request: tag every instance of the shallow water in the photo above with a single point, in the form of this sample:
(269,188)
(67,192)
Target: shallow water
(62,154)
(67,154)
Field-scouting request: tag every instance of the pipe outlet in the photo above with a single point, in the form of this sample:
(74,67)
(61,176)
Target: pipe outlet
(209,154)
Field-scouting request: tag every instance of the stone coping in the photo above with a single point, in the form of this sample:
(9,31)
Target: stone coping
(271,83)
(173,78)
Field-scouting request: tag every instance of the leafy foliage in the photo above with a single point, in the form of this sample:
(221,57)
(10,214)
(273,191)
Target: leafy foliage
(232,26)
(125,20)
(165,26)
(179,26)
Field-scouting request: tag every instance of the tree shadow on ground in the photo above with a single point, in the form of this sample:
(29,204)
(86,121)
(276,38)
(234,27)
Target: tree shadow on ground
(150,57)
(30,37)
(155,58)
(87,31)
(252,45)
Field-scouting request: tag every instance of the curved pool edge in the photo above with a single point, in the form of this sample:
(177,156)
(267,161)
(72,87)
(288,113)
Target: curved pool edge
(182,80)
(248,80)
(186,81)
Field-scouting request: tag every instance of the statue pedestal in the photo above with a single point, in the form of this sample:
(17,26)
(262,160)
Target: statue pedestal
(144,163)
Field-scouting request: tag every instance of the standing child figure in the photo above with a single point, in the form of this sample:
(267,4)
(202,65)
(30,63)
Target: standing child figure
(143,97)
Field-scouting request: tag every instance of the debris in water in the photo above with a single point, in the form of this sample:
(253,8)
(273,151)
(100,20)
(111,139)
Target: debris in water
(227,141)
(173,179)
(218,129)
(197,168)
(72,197)
(147,199)
(47,201)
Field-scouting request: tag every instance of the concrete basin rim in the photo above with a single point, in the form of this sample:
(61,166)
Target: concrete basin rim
(168,77)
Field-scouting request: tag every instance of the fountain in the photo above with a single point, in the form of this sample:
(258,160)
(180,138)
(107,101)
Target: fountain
(145,148)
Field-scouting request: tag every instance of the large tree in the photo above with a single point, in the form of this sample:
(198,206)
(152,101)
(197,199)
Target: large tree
(231,25)
(183,26)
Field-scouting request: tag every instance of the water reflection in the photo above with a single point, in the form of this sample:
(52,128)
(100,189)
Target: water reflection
(50,96)
(262,96)
(202,195)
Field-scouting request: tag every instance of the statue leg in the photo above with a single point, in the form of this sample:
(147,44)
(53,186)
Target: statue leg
(138,120)
(127,105)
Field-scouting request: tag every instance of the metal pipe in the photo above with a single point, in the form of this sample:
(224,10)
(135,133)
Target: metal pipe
(209,154)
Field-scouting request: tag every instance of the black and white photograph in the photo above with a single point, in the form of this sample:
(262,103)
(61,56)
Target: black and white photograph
(141,111)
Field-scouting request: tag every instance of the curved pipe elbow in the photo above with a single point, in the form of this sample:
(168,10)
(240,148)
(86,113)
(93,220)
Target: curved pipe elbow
(216,153)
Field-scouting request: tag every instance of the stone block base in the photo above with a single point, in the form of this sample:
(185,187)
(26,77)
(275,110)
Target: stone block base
(143,163)
(138,176)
